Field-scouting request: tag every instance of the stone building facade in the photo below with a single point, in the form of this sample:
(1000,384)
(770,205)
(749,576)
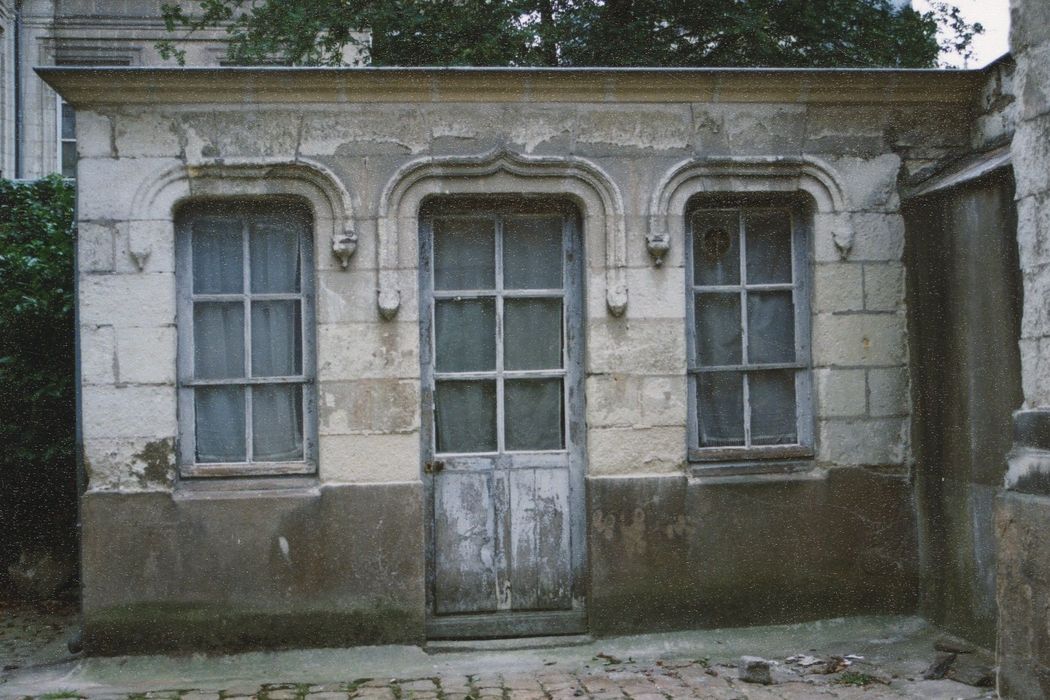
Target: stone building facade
(382,355)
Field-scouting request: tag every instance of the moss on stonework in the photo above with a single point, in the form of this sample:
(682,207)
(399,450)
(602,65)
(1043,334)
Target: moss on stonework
(159,460)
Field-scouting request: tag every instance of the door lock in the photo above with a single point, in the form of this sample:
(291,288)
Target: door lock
(433,467)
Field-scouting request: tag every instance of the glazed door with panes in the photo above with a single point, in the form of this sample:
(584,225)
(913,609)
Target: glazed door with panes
(502,420)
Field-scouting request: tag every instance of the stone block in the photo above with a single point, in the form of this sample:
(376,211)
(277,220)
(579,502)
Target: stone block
(130,465)
(753,669)
(94,135)
(1035,321)
(858,339)
(98,355)
(239,133)
(846,129)
(123,178)
(95,246)
(626,129)
(350,296)
(838,287)
(370,458)
(350,351)
(654,293)
(636,451)
(635,346)
(764,129)
(840,393)
(877,237)
(147,134)
(451,134)
(369,406)
(1035,371)
(146,300)
(870,442)
(888,391)
(541,129)
(151,242)
(1029,25)
(366,130)
(145,355)
(1033,229)
(1032,82)
(883,287)
(870,184)
(832,237)
(1031,153)
(128,412)
(631,401)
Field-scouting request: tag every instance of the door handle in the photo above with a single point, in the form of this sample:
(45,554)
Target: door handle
(433,467)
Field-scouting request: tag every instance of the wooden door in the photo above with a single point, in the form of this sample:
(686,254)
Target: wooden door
(502,419)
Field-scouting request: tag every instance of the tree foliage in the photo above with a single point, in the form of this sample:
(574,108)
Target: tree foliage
(803,33)
(37,397)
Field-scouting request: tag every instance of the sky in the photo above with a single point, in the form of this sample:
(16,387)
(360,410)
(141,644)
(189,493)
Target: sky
(994,15)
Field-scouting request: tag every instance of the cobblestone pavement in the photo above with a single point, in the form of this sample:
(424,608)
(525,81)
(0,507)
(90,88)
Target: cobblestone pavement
(892,654)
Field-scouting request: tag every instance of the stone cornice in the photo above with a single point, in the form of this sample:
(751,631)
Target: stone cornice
(86,87)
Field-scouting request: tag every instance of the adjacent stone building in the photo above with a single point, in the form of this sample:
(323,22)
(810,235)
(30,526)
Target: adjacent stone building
(382,355)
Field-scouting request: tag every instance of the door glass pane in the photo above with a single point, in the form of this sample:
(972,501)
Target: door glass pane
(218,340)
(218,256)
(464,254)
(532,336)
(770,327)
(465,416)
(69,159)
(277,423)
(465,331)
(533,414)
(69,121)
(768,246)
(772,398)
(532,253)
(718,340)
(274,249)
(720,408)
(219,424)
(716,248)
(277,347)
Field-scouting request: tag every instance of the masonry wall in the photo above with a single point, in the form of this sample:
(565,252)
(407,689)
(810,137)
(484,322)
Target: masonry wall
(667,547)
(1024,509)
(964,301)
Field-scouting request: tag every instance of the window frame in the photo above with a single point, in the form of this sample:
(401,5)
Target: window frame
(62,140)
(713,459)
(248,211)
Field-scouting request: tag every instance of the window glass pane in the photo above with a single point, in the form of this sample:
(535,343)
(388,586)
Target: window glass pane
(720,408)
(69,159)
(274,249)
(218,340)
(533,414)
(465,331)
(465,416)
(772,398)
(770,327)
(532,334)
(69,121)
(218,258)
(277,346)
(220,423)
(532,253)
(718,329)
(277,423)
(716,248)
(768,236)
(464,254)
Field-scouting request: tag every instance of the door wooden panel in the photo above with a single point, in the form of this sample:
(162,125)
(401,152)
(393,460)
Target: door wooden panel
(501,299)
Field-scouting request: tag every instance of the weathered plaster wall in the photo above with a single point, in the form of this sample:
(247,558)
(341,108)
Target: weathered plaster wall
(849,523)
(1024,509)
(964,302)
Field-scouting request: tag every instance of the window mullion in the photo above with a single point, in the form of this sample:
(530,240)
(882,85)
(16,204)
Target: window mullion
(500,413)
(743,328)
(246,282)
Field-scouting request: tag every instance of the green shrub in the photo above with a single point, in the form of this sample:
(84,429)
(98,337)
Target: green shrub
(37,396)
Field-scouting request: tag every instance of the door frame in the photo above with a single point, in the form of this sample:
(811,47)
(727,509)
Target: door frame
(510,623)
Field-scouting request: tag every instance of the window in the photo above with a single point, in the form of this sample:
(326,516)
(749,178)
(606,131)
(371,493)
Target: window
(749,378)
(67,139)
(246,361)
